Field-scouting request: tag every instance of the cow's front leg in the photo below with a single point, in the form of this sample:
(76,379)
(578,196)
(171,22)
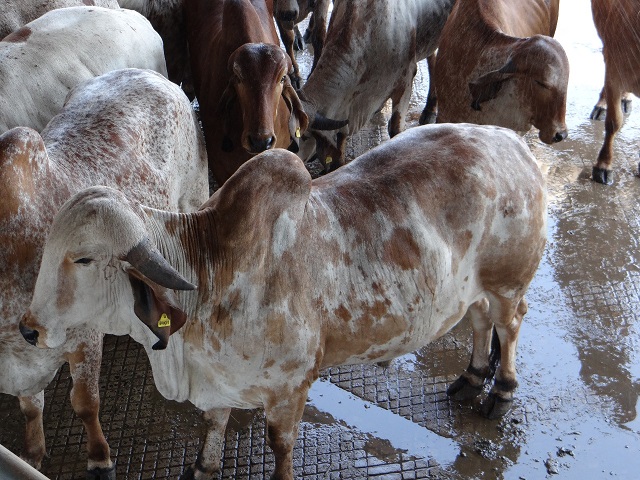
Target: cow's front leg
(207,464)
(601,171)
(84,366)
(283,420)
(33,450)
(469,385)
(508,328)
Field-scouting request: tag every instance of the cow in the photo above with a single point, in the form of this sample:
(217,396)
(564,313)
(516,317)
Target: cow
(16,13)
(370,55)
(618,25)
(240,73)
(296,275)
(505,68)
(167,18)
(41,61)
(129,128)
(288,13)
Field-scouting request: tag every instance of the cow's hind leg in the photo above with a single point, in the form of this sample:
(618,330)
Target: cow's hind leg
(283,419)
(508,319)
(207,464)
(469,385)
(33,450)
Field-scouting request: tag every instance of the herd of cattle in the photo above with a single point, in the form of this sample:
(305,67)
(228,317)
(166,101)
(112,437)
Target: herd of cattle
(242,298)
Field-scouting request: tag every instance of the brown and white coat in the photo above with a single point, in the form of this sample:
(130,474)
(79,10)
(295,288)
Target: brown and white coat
(364,264)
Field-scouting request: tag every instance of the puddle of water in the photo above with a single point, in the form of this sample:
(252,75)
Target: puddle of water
(368,418)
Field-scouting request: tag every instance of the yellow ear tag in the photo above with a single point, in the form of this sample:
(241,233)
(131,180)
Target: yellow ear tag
(328,160)
(298,132)
(164,321)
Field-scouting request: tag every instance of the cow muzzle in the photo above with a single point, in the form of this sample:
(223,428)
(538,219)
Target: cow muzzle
(259,143)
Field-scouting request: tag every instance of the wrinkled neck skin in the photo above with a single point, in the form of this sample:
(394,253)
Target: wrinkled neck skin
(169,233)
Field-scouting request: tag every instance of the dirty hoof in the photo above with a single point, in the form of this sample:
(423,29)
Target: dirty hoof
(188,474)
(427,118)
(296,81)
(496,407)
(102,473)
(602,175)
(598,113)
(462,390)
(627,106)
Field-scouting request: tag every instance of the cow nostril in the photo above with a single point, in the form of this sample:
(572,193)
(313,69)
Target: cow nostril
(559,136)
(260,144)
(29,335)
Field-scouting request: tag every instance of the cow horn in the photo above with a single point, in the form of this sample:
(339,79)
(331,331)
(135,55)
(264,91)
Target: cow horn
(148,261)
(319,122)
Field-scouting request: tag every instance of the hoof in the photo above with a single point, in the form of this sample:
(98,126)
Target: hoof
(598,113)
(627,106)
(102,473)
(427,118)
(188,474)
(296,81)
(496,407)
(602,175)
(461,390)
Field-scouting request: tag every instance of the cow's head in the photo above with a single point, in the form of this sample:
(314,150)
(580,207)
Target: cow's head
(260,85)
(99,270)
(540,65)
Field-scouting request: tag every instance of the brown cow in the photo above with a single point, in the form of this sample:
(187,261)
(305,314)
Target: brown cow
(497,64)
(618,24)
(240,74)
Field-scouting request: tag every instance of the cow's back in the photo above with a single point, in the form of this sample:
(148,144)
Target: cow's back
(42,61)
(16,13)
(429,224)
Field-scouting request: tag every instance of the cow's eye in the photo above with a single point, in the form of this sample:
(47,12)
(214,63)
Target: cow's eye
(282,80)
(84,261)
(546,87)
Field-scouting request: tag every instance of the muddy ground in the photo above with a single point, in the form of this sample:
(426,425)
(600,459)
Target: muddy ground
(575,416)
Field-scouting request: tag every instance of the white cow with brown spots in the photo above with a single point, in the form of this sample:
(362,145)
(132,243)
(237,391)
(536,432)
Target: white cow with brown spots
(370,55)
(41,61)
(132,129)
(293,276)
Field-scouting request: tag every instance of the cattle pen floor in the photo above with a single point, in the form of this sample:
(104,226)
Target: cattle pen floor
(575,415)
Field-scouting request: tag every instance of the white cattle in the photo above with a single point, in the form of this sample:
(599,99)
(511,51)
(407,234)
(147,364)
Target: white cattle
(41,61)
(293,276)
(130,128)
(370,55)
(16,13)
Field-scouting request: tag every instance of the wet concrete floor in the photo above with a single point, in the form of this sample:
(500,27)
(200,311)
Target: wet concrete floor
(575,416)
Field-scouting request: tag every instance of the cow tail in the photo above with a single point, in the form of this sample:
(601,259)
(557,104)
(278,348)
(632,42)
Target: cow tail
(494,354)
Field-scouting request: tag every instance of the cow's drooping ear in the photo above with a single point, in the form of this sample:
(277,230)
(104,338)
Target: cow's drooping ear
(488,85)
(157,307)
(298,119)
(224,111)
